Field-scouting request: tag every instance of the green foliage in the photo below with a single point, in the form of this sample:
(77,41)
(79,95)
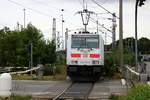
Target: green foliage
(60,69)
(17,97)
(48,70)
(20,97)
(112,97)
(112,60)
(139,92)
(14,47)
(144,44)
(129,58)
(129,45)
(61,57)
(110,66)
(51,69)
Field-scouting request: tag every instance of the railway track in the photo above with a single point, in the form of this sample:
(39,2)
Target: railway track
(76,91)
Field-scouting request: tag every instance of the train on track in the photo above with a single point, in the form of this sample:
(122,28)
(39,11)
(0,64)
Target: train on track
(85,53)
(85,56)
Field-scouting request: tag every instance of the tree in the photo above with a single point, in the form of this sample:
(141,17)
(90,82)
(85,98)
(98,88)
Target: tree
(14,47)
(144,44)
(50,52)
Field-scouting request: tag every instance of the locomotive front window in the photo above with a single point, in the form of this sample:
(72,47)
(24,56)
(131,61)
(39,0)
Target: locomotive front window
(78,42)
(92,42)
(85,41)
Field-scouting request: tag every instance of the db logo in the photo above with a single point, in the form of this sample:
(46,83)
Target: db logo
(85,55)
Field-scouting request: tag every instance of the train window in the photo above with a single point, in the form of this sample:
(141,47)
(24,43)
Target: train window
(92,43)
(78,42)
(85,41)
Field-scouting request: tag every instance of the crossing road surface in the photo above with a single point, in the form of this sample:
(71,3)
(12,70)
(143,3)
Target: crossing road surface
(43,88)
(103,89)
(50,89)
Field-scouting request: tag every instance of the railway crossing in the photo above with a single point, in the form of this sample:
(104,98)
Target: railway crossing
(55,90)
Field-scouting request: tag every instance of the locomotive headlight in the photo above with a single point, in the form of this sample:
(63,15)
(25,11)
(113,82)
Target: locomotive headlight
(95,62)
(74,62)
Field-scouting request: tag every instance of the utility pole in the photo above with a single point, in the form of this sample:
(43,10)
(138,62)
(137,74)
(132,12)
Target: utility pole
(97,22)
(136,38)
(121,36)
(62,29)
(105,48)
(58,41)
(138,3)
(18,26)
(105,38)
(66,37)
(114,30)
(24,10)
(54,31)
(97,25)
(31,57)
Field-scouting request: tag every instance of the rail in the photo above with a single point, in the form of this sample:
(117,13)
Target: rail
(57,97)
(76,91)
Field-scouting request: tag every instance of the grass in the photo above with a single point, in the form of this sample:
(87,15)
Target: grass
(33,77)
(60,74)
(16,97)
(139,92)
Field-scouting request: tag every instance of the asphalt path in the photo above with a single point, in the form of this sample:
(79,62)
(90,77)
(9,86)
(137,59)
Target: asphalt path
(26,87)
(101,90)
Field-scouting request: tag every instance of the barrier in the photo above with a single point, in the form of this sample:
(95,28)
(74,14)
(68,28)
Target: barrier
(132,76)
(23,72)
(5,84)
(132,71)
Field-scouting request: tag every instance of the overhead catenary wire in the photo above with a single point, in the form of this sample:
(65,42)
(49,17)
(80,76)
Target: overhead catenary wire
(37,11)
(58,9)
(101,30)
(50,6)
(103,8)
(100,25)
(34,10)
(46,4)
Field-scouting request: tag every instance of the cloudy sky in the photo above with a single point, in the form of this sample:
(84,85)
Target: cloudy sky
(41,12)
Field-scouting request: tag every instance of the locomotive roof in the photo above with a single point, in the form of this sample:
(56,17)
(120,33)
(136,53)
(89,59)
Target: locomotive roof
(85,33)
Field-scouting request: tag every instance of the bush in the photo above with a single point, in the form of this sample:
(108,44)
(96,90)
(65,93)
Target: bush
(17,97)
(129,59)
(112,97)
(20,97)
(48,70)
(139,92)
(110,67)
(112,60)
(15,69)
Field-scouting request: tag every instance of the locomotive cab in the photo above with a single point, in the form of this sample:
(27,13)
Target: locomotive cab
(85,56)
